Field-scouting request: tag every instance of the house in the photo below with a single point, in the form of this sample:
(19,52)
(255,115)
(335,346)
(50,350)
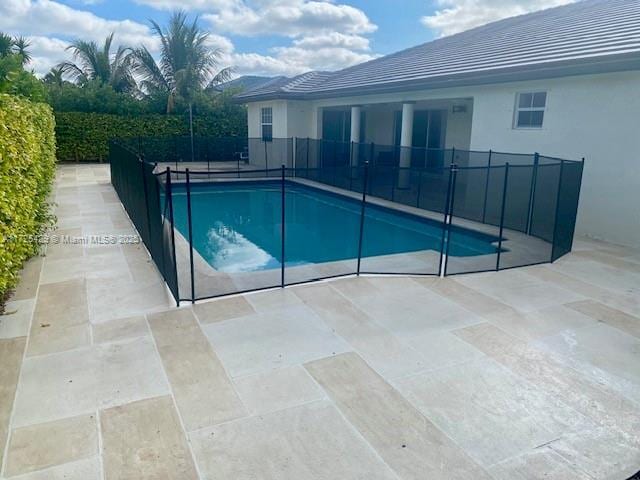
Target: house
(564,82)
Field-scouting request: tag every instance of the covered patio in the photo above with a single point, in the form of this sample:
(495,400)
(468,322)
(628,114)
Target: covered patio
(407,134)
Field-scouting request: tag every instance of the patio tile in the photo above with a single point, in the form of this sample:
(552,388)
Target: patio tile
(272,300)
(541,323)
(355,287)
(395,285)
(310,442)
(539,464)
(265,341)
(11,352)
(410,311)
(489,411)
(466,297)
(62,246)
(17,318)
(120,329)
(600,352)
(61,318)
(144,441)
(440,349)
(548,373)
(534,297)
(627,303)
(609,260)
(384,352)
(81,381)
(599,274)
(602,313)
(120,297)
(203,392)
(495,281)
(85,469)
(47,444)
(29,279)
(277,390)
(410,444)
(110,197)
(603,453)
(109,263)
(144,270)
(223,309)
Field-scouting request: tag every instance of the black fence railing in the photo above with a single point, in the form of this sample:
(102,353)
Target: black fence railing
(147,198)
(297,210)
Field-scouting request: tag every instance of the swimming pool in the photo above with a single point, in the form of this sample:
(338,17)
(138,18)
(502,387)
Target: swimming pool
(237,227)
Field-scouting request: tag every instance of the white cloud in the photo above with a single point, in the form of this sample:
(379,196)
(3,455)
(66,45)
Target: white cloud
(223,44)
(333,39)
(45,21)
(189,5)
(455,16)
(46,52)
(294,61)
(288,17)
(324,35)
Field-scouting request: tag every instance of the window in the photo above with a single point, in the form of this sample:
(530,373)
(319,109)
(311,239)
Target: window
(530,109)
(266,120)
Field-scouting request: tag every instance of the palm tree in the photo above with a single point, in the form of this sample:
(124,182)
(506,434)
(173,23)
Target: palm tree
(20,46)
(54,77)
(6,44)
(187,63)
(95,63)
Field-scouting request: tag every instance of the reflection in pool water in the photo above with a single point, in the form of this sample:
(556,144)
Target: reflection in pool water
(229,251)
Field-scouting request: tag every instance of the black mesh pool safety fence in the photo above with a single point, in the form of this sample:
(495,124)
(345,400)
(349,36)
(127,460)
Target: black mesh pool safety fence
(147,198)
(294,210)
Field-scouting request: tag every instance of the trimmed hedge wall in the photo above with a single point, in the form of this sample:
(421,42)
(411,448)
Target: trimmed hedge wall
(27,168)
(84,137)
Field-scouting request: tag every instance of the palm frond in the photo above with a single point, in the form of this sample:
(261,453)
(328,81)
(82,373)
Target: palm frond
(146,69)
(6,44)
(21,45)
(55,76)
(222,76)
(73,72)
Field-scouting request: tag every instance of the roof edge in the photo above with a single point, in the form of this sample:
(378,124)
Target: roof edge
(573,67)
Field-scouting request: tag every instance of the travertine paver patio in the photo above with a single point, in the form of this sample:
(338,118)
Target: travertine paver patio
(524,374)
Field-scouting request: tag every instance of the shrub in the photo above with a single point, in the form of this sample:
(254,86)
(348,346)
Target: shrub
(85,136)
(27,166)
(15,80)
(96,97)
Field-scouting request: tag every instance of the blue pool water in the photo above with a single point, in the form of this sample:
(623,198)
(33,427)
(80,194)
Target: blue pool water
(237,227)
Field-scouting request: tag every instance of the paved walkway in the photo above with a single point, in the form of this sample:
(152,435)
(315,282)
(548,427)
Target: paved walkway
(523,374)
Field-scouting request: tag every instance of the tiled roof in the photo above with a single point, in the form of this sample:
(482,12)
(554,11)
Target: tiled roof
(246,83)
(589,36)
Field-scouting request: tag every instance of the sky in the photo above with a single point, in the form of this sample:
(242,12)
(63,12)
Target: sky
(258,37)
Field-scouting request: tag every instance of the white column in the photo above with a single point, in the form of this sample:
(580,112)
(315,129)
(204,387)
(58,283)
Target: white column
(355,124)
(406,139)
(355,135)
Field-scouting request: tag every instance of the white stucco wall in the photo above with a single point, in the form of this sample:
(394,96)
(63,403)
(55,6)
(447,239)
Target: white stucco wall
(271,156)
(459,127)
(279,109)
(596,117)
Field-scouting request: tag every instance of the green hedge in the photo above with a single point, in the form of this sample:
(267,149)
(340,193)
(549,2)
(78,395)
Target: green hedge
(27,168)
(85,137)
